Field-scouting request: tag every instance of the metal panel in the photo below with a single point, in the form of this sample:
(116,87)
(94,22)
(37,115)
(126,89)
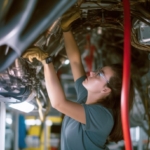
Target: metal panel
(24,22)
(144,33)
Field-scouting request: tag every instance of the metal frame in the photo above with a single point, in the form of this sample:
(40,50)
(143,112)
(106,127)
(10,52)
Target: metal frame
(2,125)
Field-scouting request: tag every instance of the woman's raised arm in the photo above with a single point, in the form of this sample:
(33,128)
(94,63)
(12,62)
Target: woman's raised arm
(74,55)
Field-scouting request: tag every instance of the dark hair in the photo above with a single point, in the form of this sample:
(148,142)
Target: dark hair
(113,101)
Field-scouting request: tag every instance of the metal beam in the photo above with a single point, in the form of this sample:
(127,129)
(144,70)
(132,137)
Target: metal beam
(2,125)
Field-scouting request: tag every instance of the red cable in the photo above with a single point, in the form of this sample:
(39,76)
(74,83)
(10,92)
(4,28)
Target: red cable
(126,77)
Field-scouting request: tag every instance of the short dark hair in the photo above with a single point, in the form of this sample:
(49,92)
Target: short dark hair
(113,101)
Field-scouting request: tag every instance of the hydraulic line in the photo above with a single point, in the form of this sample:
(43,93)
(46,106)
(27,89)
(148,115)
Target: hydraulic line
(126,77)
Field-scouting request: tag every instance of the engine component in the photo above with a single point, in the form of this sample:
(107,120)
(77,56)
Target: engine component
(23,23)
(96,5)
(44,40)
(143,32)
(13,76)
(18,81)
(41,42)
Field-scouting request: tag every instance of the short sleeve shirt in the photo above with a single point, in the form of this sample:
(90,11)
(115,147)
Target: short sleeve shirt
(93,134)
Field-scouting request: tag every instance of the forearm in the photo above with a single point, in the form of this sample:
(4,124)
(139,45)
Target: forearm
(74,56)
(72,49)
(53,86)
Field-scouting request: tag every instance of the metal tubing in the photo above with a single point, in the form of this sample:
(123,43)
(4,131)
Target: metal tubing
(126,76)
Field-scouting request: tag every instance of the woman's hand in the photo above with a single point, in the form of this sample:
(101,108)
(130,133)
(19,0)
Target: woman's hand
(35,53)
(69,17)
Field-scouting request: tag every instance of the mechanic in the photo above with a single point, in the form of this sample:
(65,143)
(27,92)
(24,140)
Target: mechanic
(95,117)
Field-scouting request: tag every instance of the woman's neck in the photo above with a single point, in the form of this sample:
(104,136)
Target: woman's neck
(94,98)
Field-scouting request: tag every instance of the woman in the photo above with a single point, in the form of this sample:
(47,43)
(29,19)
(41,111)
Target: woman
(95,117)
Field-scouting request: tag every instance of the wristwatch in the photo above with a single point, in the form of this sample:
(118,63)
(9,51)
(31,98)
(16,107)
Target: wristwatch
(49,59)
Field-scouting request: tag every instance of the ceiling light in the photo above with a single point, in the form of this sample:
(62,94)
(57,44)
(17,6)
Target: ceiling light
(30,122)
(9,121)
(38,122)
(24,106)
(66,62)
(49,123)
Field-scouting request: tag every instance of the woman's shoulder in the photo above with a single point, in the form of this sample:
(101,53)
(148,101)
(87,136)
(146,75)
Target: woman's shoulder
(99,109)
(80,79)
(98,116)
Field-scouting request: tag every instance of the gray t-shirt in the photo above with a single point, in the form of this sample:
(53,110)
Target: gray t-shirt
(93,134)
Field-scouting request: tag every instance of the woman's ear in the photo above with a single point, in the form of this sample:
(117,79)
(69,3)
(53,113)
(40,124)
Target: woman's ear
(106,90)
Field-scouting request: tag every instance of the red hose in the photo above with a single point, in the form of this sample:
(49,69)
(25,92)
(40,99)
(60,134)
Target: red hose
(126,77)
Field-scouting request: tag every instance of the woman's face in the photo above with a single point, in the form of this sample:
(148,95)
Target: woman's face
(97,81)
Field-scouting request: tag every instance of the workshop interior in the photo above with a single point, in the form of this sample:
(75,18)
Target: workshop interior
(27,120)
